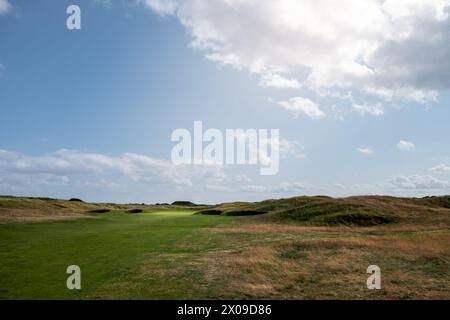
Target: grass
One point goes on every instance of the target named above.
(360, 211)
(34, 256)
(171, 253)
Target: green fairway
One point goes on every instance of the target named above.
(109, 250)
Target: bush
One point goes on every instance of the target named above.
(183, 203)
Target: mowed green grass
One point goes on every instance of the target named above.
(109, 250)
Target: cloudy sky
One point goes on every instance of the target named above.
(358, 89)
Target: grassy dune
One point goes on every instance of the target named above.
(295, 250)
(352, 211)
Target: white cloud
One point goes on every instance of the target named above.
(138, 168)
(419, 182)
(404, 145)
(373, 110)
(366, 151)
(103, 184)
(254, 189)
(218, 188)
(287, 148)
(16, 180)
(441, 168)
(283, 188)
(299, 105)
(289, 187)
(5, 6)
(278, 81)
(162, 7)
(391, 48)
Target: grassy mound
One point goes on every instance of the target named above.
(362, 211)
(443, 201)
(184, 204)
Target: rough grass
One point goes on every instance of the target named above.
(23, 209)
(170, 254)
(352, 211)
(414, 266)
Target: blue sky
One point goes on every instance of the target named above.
(89, 113)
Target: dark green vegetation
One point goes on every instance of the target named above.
(301, 248)
(184, 203)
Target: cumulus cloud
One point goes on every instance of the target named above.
(289, 187)
(440, 168)
(283, 188)
(15, 181)
(138, 168)
(299, 105)
(404, 145)
(394, 49)
(162, 7)
(367, 151)
(286, 148)
(419, 182)
(364, 109)
(254, 189)
(5, 6)
(218, 188)
(278, 81)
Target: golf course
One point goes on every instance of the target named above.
(299, 248)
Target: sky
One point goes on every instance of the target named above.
(358, 90)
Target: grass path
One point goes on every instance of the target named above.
(34, 256)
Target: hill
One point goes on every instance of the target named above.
(17, 209)
(356, 211)
(364, 211)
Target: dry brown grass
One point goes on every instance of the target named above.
(295, 229)
(37, 215)
(333, 268)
